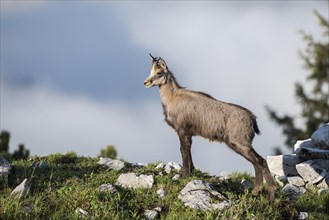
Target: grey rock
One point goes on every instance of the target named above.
(81, 213)
(5, 168)
(107, 187)
(176, 177)
(160, 166)
(151, 214)
(302, 216)
(283, 165)
(311, 172)
(131, 180)
(161, 192)
(307, 143)
(21, 190)
(296, 180)
(321, 137)
(171, 166)
(307, 149)
(42, 165)
(139, 164)
(198, 194)
(246, 184)
(324, 184)
(111, 164)
(293, 192)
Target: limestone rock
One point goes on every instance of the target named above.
(172, 166)
(321, 137)
(42, 165)
(198, 194)
(21, 190)
(160, 166)
(302, 216)
(296, 180)
(293, 192)
(5, 168)
(161, 192)
(131, 180)
(152, 214)
(111, 164)
(107, 187)
(283, 165)
(81, 213)
(176, 177)
(311, 172)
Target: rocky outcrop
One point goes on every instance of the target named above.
(308, 166)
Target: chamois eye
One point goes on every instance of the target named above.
(159, 73)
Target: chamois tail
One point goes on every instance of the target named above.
(255, 126)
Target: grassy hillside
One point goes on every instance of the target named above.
(70, 182)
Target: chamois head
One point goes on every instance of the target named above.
(159, 73)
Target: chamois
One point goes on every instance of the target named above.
(192, 113)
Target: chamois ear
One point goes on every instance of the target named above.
(163, 64)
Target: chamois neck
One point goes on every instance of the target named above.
(168, 89)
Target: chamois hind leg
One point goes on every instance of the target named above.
(260, 165)
(185, 148)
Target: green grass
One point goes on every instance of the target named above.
(70, 182)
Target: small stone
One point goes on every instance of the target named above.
(42, 165)
(107, 187)
(161, 192)
(296, 180)
(81, 213)
(5, 168)
(111, 164)
(246, 184)
(172, 166)
(302, 216)
(140, 164)
(160, 166)
(293, 192)
(21, 190)
(151, 214)
(176, 177)
(131, 180)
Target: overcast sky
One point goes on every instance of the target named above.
(72, 72)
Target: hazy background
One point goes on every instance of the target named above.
(72, 72)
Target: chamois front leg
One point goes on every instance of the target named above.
(185, 149)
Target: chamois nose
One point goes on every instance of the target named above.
(145, 82)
